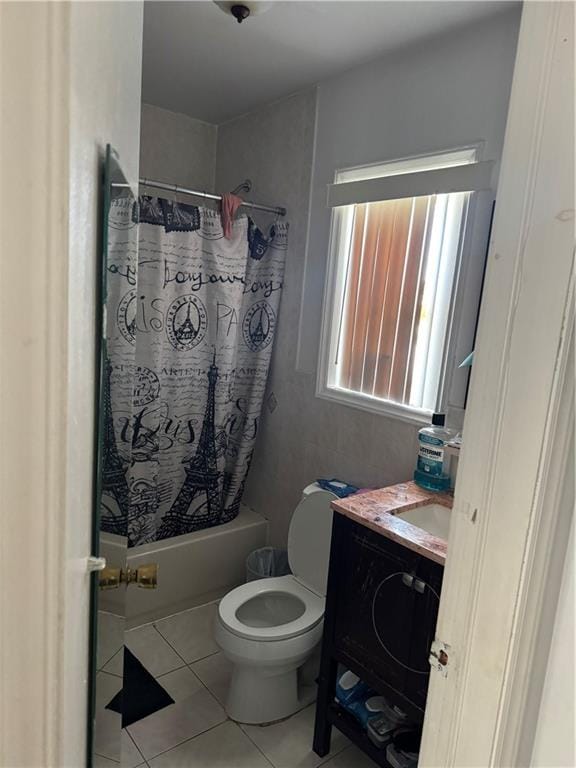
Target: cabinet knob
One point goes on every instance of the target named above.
(419, 586)
(408, 579)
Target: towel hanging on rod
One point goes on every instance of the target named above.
(278, 210)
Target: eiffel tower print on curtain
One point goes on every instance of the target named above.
(258, 334)
(191, 321)
(202, 481)
(186, 332)
(114, 483)
(232, 510)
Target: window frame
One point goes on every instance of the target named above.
(463, 310)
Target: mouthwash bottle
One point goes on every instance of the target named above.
(432, 469)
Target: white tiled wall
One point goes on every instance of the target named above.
(177, 149)
(304, 437)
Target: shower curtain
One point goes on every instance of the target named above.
(191, 322)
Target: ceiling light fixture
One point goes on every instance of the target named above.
(241, 11)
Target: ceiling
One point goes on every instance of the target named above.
(200, 61)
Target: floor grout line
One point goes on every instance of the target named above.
(170, 671)
(153, 622)
(136, 745)
(120, 619)
(206, 687)
(97, 754)
(203, 684)
(179, 654)
(191, 738)
(171, 646)
(208, 655)
(264, 755)
(101, 669)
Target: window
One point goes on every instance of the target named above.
(393, 273)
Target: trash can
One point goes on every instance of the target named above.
(266, 562)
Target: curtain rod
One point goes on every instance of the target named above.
(278, 210)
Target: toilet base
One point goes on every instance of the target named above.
(271, 679)
(260, 696)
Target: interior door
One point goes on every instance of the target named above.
(119, 245)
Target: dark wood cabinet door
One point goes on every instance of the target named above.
(376, 609)
(427, 589)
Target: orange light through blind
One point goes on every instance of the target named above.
(383, 296)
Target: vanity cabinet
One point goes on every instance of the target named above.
(381, 610)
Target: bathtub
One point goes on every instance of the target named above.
(193, 569)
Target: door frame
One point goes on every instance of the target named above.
(36, 576)
(67, 87)
(519, 412)
(489, 565)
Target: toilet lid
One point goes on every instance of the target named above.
(309, 540)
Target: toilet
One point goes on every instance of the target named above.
(269, 629)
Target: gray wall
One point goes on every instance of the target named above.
(177, 149)
(303, 437)
(446, 94)
(274, 147)
(450, 92)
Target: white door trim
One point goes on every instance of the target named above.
(35, 407)
(517, 380)
(545, 558)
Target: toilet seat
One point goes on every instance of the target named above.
(312, 608)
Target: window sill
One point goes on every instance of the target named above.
(375, 405)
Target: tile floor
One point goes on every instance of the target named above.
(194, 732)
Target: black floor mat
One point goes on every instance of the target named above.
(141, 695)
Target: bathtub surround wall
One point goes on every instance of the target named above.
(277, 149)
(453, 91)
(177, 149)
(301, 437)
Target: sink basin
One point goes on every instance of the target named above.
(433, 518)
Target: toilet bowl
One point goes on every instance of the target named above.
(269, 628)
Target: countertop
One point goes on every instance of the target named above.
(377, 510)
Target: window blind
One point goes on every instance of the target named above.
(383, 292)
